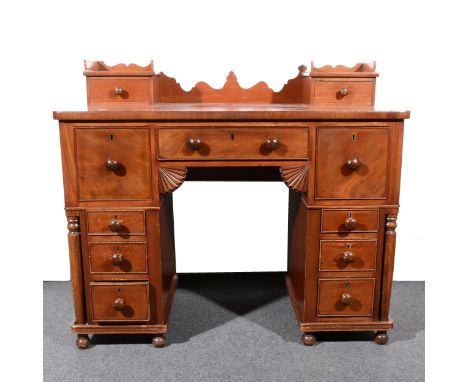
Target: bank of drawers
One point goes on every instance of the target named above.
(117, 261)
(347, 263)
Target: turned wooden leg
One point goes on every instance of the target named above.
(308, 339)
(159, 341)
(381, 338)
(82, 341)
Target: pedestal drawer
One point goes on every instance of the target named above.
(113, 163)
(352, 163)
(120, 301)
(118, 257)
(345, 297)
(350, 221)
(116, 223)
(347, 255)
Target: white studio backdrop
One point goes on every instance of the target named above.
(218, 226)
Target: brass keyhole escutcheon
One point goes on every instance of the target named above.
(232, 136)
(111, 137)
(353, 137)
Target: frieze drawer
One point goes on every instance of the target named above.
(233, 143)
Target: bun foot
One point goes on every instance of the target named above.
(159, 341)
(308, 339)
(82, 341)
(381, 338)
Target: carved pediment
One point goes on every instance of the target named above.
(169, 90)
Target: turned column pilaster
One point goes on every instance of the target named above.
(76, 271)
(388, 264)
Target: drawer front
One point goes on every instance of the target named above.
(118, 257)
(352, 163)
(233, 143)
(114, 89)
(121, 223)
(346, 297)
(347, 255)
(120, 301)
(113, 163)
(350, 221)
(333, 92)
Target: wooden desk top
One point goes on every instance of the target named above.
(204, 111)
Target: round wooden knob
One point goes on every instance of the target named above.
(194, 143)
(346, 299)
(112, 164)
(119, 304)
(272, 143)
(350, 223)
(115, 225)
(344, 91)
(118, 90)
(117, 259)
(354, 164)
(348, 257)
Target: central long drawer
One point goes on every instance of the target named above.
(209, 143)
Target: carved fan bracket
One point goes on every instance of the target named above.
(295, 177)
(171, 178)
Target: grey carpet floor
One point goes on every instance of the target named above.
(235, 327)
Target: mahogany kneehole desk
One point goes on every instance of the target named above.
(143, 136)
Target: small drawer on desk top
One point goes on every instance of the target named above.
(340, 92)
(118, 257)
(119, 301)
(121, 90)
(209, 143)
(347, 255)
(113, 163)
(345, 297)
(350, 221)
(121, 223)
